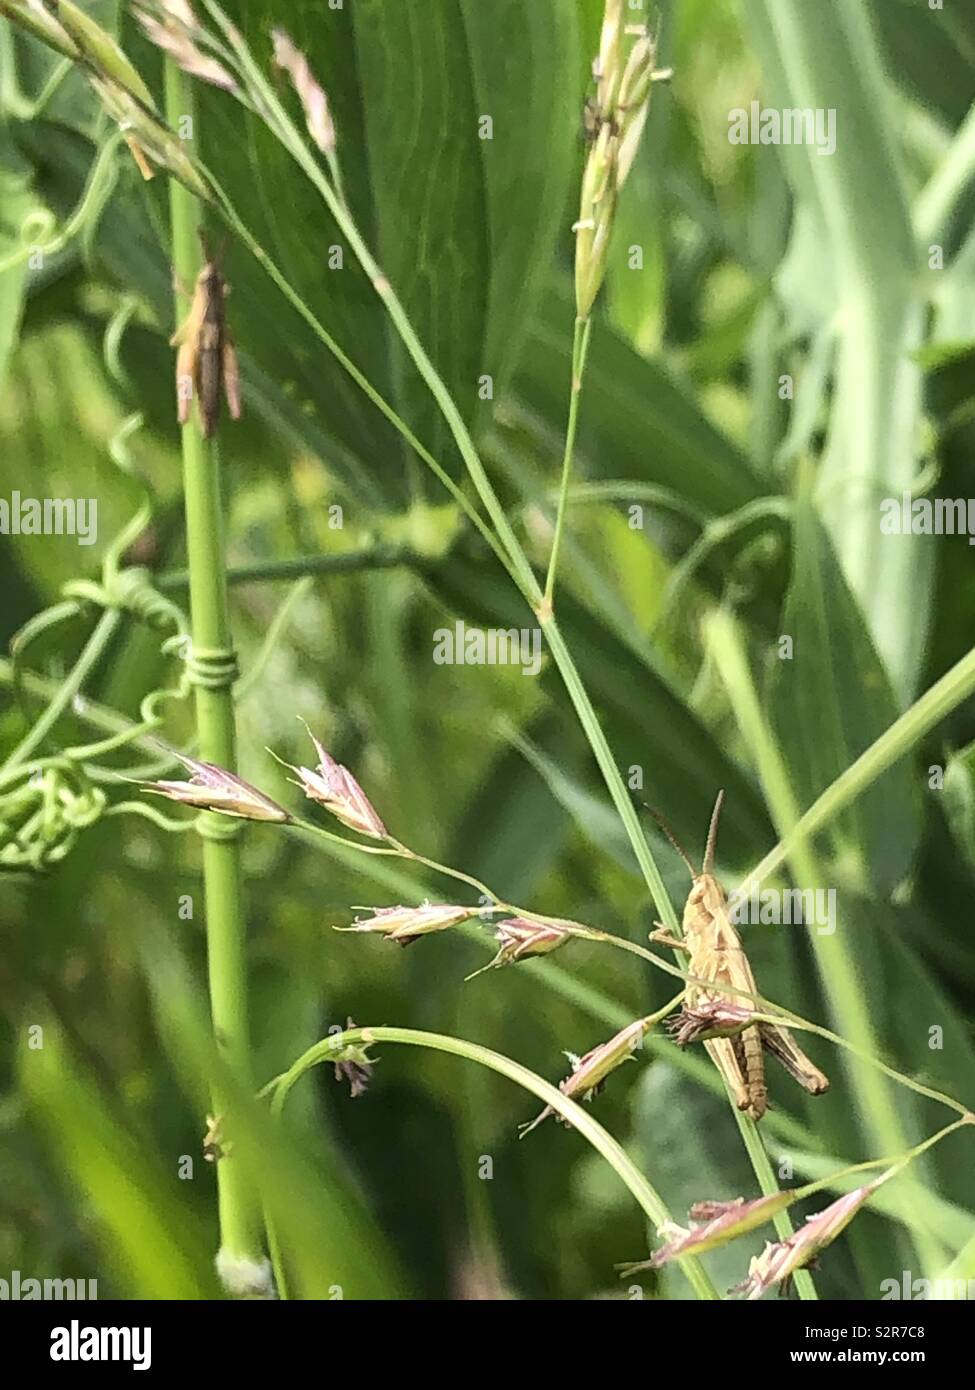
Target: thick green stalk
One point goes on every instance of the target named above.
(212, 665)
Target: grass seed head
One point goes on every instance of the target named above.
(779, 1261)
(212, 788)
(334, 787)
(615, 120)
(713, 1018)
(172, 26)
(712, 1224)
(318, 116)
(407, 924)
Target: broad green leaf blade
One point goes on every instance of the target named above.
(510, 834)
(930, 49)
(830, 699)
(825, 58)
(328, 1236)
(647, 723)
(149, 1233)
(636, 420)
(410, 85)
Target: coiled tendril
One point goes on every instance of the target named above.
(43, 809)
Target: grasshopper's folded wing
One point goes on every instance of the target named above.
(781, 1044)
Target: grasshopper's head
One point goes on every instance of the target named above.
(210, 282)
(699, 889)
(699, 880)
(210, 278)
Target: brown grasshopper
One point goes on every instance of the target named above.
(715, 954)
(207, 357)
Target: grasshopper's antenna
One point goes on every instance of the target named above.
(712, 834)
(216, 260)
(673, 839)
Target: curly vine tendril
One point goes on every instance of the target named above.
(42, 814)
(39, 232)
(45, 802)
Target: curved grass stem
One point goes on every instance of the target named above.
(579, 1118)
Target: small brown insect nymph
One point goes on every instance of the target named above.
(207, 363)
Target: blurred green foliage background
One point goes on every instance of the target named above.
(758, 263)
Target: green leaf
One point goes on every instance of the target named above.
(598, 821)
(826, 58)
(648, 724)
(831, 700)
(409, 84)
(150, 1236)
(689, 1140)
(510, 834)
(636, 420)
(17, 202)
(930, 50)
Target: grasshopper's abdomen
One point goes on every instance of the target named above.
(209, 373)
(753, 1067)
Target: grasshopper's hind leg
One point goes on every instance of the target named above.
(725, 1058)
(231, 377)
(781, 1044)
(185, 381)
